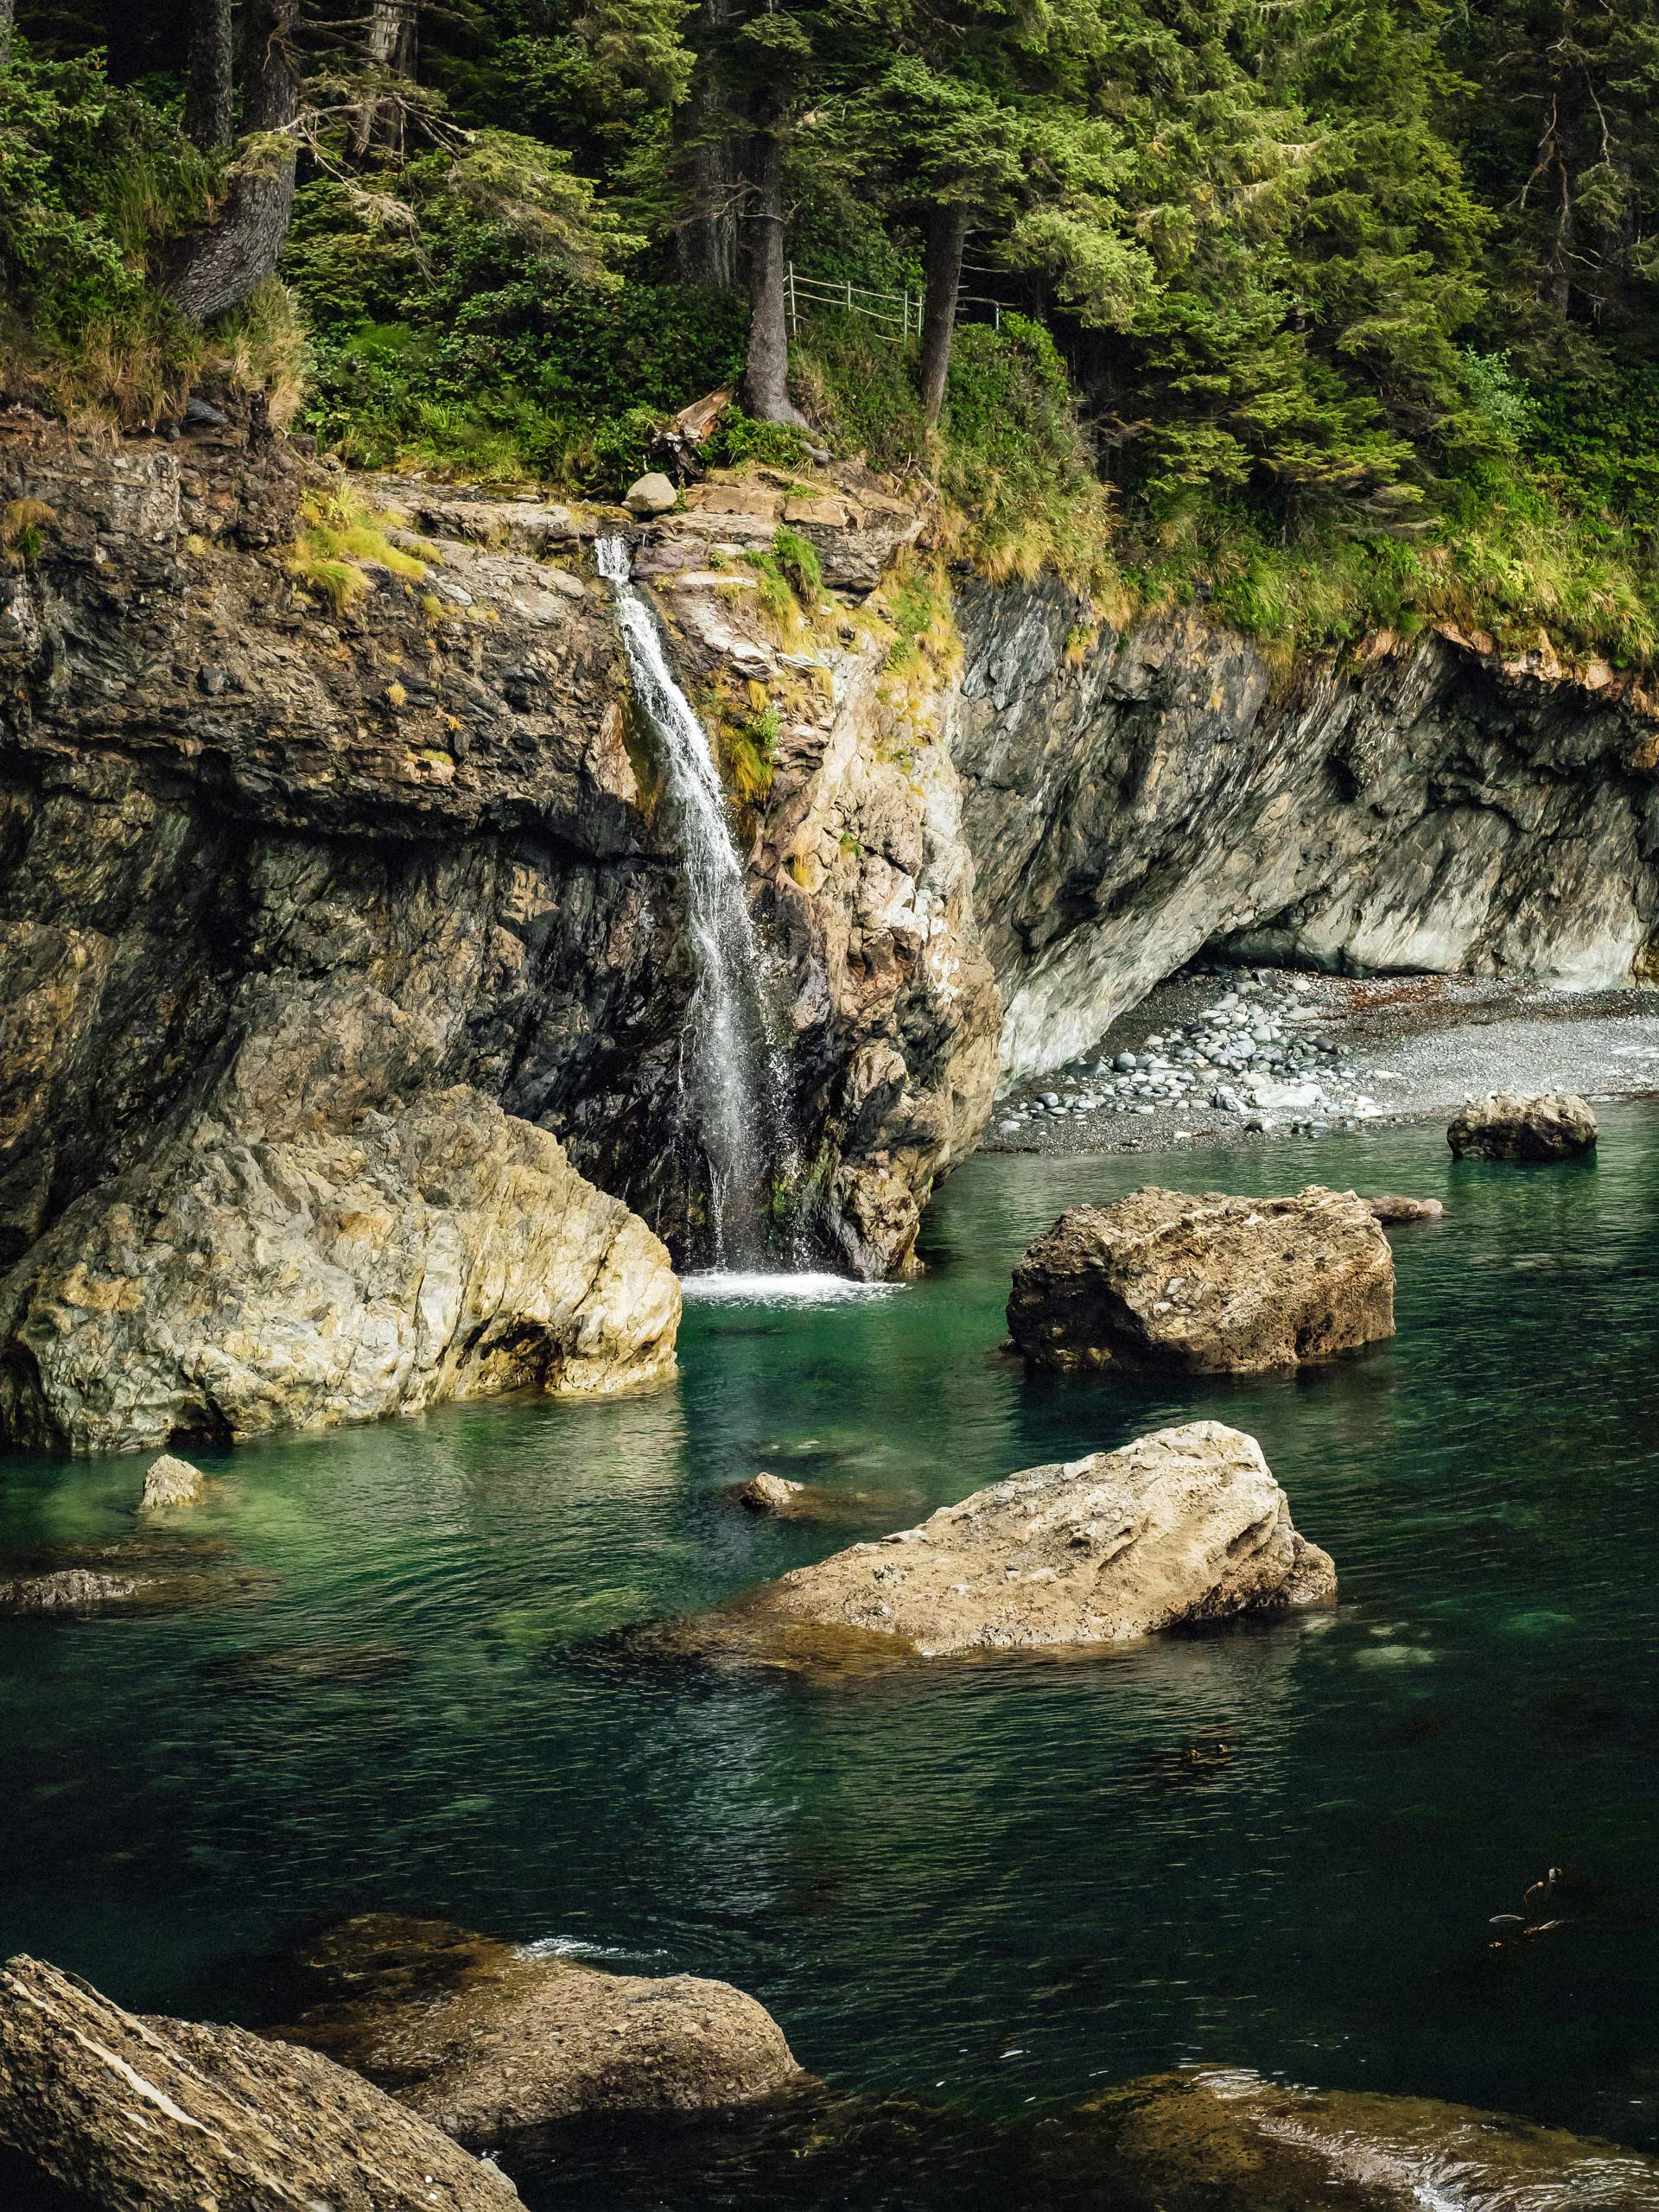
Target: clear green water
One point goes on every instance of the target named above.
(992, 1887)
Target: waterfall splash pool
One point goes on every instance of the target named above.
(980, 1893)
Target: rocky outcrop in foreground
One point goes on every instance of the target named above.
(486, 2040)
(1208, 1285)
(135, 2114)
(228, 1287)
(1202, 2138)
(1556, 1125)
(1182, 1527)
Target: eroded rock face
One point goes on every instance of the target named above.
(228, 1287)
(1208, 1285)
(1437, 807)
(486, 2040)
(1556, 1125)
(135, 2114)
(1183, 1525)
(1201, 2138)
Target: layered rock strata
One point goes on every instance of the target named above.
(1205, 1285)
(135, 2114)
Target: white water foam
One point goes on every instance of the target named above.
(729, 1077)
(740, 1287)
(572, 1947)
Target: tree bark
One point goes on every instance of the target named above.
(217, 269)
(210, 77)
(765, 370)
(8, 15)
(390, 50)
(706, 243)
(947, 237)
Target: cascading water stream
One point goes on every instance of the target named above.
(731, 1084)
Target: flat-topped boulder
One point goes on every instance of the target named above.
(136, 2114)
(1208, 1284)
(1182, 1527)
(486, 2039)
(1505, 1125)
(1201, 2138)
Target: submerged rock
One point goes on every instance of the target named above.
(137, 2114)
(1387, 1206)
(1504, 1125)
(1212, 1285)
(485, 2039)
(1201, 2138)
(74, 1590)
(171, 1482)
(228, 1287)
(1183, 1525)
(765, 1493)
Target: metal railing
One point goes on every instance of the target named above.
(808, 292)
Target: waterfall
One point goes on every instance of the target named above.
(731, 1084)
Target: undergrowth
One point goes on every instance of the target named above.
(340, 540)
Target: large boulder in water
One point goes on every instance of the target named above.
(135, 2114)
(1183, 1525)
(1504, 1125)
(229, 1287)
(1201, 2139)
(486, 2039)
(1209, 1285)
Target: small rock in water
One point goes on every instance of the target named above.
(1388, 1205)
(766, 1493)
(171, 1482)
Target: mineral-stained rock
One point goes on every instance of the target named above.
(228, 1287)
(1389, 1206)
(1201, 2138)
(134, 2115)
(1183, 1525)
(485, 2039)
(1505, 1125)
(170, 1481)
(765, 1493)
(1210, 1285)
(73, 1590)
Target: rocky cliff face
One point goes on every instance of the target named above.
(276, 875)
(1436, 807)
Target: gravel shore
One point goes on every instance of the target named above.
(1214, 1053)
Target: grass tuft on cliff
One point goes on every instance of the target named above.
(342, 541)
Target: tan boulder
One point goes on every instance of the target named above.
(826, 514)
(1182, 1526)
(1505, 1125)
(485, 2039)
(229, 1287)
(1209, 1285)
(765, 1493)
(650, 494)
(170, 1481)
(1389, 1206)
(136, 2114)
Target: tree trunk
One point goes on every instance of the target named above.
(8, 13)
(390, 50)
(216, 271)
(765, 370)
(947, 236)
(705, 165)
(210, 78)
